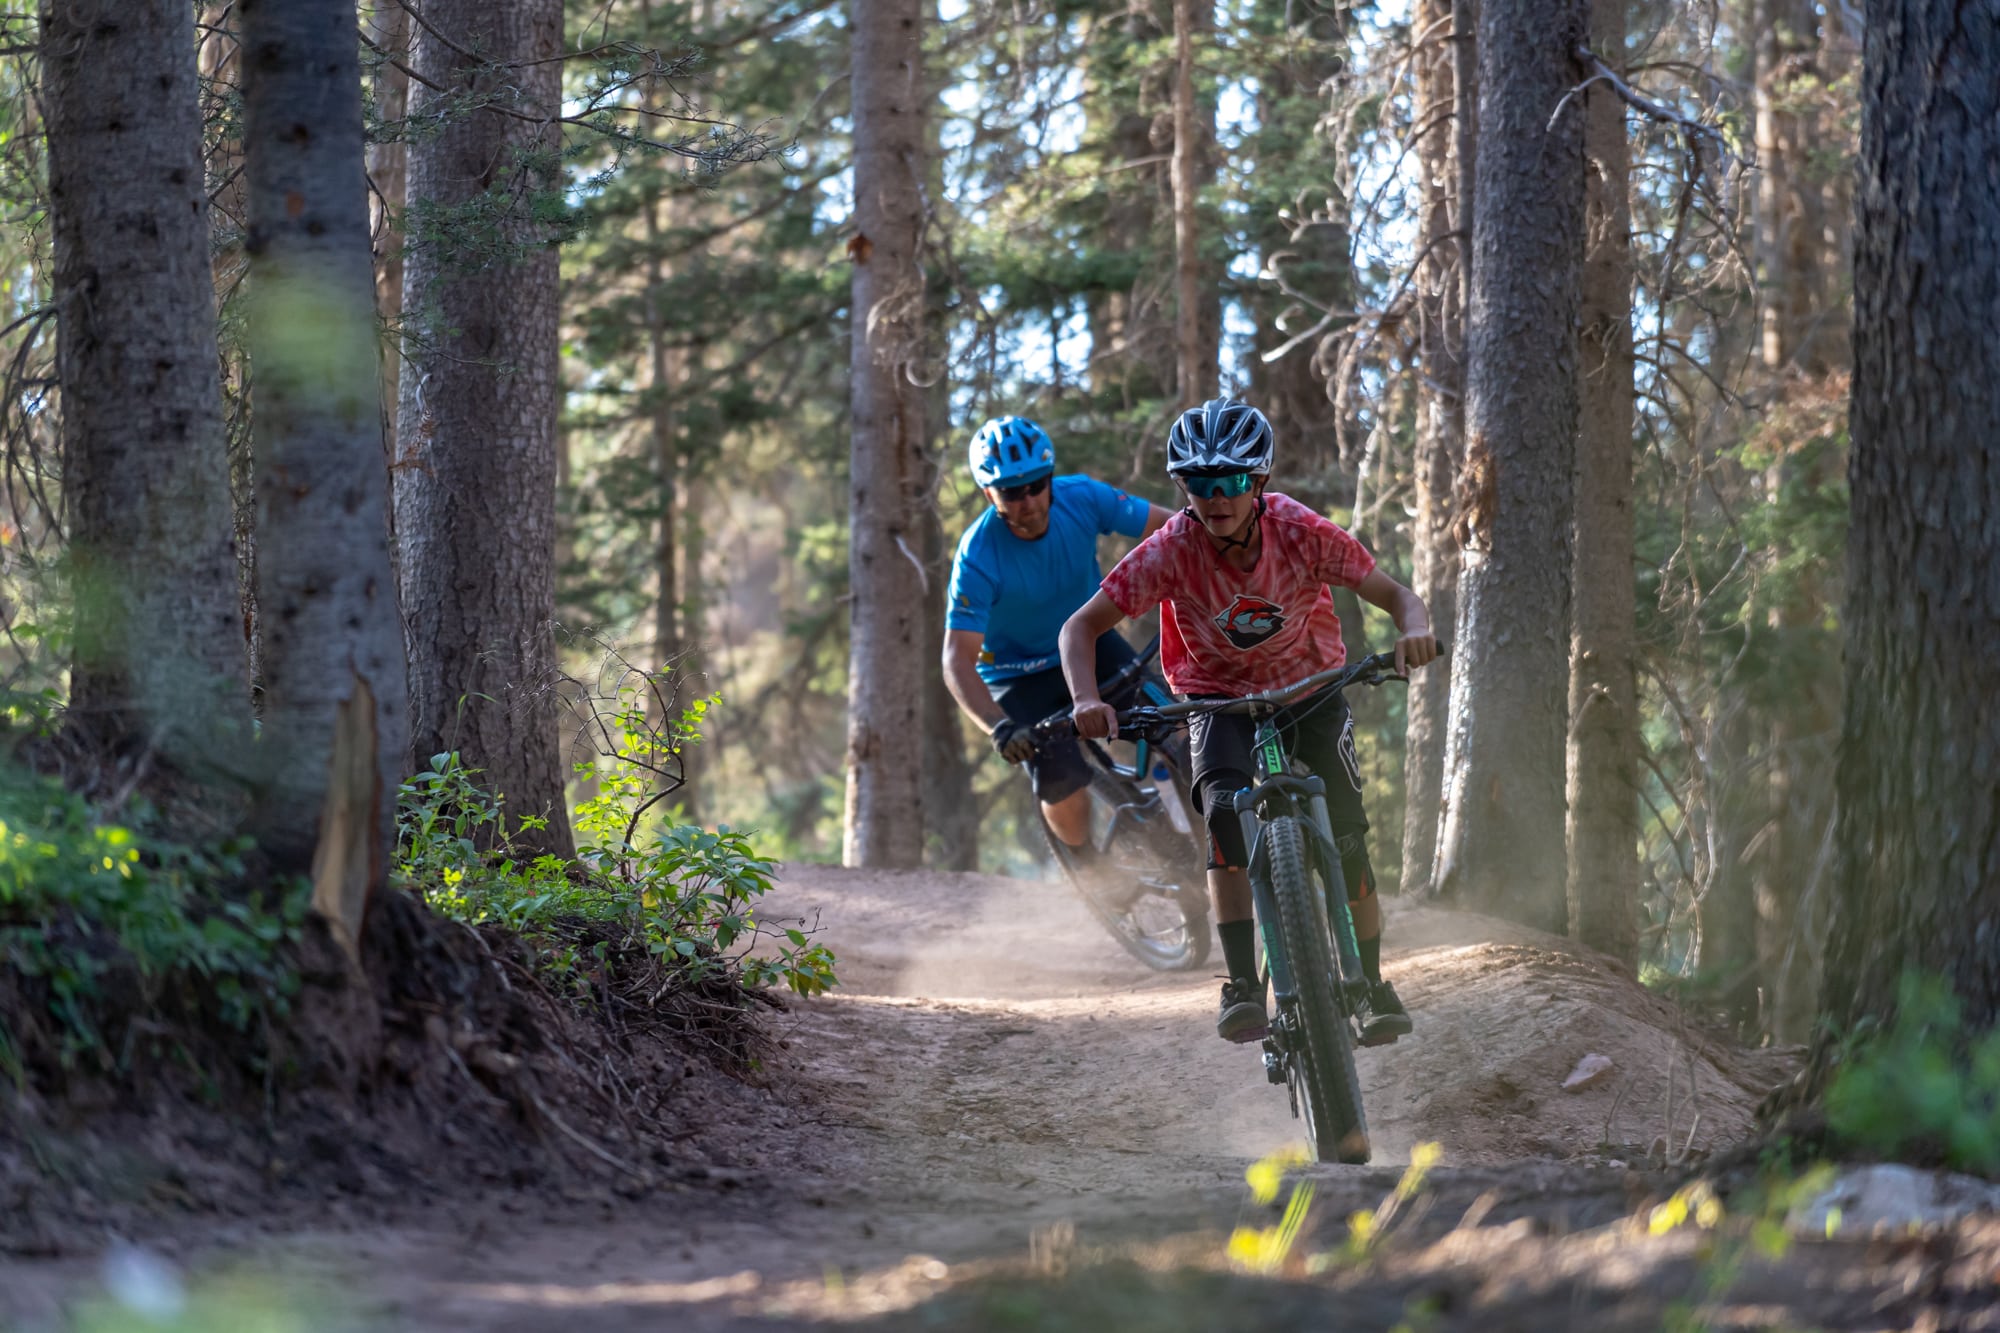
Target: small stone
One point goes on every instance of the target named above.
(1589, 1071)
(1890, 1199)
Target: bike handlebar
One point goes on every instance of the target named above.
(1370, 670)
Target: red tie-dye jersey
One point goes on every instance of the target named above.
(1227, 631)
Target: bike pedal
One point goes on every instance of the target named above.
(1389, 1040)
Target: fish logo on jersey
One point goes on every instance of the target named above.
(1248, 620)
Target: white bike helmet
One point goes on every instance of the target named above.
(1222, 435)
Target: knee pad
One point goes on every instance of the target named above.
(1225, 829)
(1355, 867)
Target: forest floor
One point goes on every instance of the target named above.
(1000, 1122)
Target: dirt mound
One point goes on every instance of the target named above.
(456, 1075)
(1505, 1015)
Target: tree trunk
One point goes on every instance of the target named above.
(158, 651)
(389, 172)
(334, 682)
(1794, 340)
(1603, 691)
(884, 818)
(951, 806)
(694, 758)
(663, 377)
(476, 484)
(1195, 346)
(1132, 355)
(1503, 837)
(1440, 442)
(1787, 202)
(1302, 234)
(1919, 830)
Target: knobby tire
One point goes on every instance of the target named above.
(1324, 1058)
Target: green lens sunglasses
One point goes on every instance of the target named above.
(1231, 484)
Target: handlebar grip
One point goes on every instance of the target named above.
(1059, 728)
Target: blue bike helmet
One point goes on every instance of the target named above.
(1011, 451)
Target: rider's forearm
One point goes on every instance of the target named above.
(961, 677)
(1078, 645)
(1410, 614)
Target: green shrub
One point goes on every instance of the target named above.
(87, 904)
(683, 895)
(1923, 1086)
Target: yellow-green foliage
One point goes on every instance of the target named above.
(683, 893)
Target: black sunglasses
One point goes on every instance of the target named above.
(1022, 492)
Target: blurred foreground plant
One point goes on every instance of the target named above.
(1924, 1086)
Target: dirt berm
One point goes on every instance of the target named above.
(1000, 1121)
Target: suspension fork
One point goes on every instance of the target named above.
(1339, 915)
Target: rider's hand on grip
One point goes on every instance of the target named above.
(1096, 720)
(1012, 741)
(1415, 650)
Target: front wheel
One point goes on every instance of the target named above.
(1316, 1034)
(1150, 890)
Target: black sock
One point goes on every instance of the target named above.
(1371, 958)
(1239, 948)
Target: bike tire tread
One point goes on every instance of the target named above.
(1327, 1076)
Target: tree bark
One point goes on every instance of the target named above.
(1795, 338)
(389, 175)
(951, 806)
(1302, 233)
(663, 377)
(1919, 828)
(1787, 202)
(335, 726)
(476, 483)
(1603, 691)
(1195, 346)
(158, 650)
(1440, 442)
(884, 818)
(1503, 836)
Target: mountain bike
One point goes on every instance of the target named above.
(1148, 885)
(1311, 964)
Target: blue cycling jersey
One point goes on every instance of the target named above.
(1018, 593)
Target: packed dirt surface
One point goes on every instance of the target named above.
(1001, 1121)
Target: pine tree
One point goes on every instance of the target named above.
(1919, 830)
(476, 427)
(158, 636)
(333, 680)
(1502, 841)
(890, 477)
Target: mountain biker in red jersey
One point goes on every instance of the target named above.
(1019, 571)
(1246, 575)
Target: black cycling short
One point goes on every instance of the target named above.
(1318, 731)
(1058, 768)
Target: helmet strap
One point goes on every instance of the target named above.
(1231, 543)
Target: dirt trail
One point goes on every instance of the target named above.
(995, 1076)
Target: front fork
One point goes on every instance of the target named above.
(1338, 913)
(1347, 952)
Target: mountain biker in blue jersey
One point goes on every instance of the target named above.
(1021, 568)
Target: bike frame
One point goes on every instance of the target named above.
(1278, 794)
(1279, 791)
